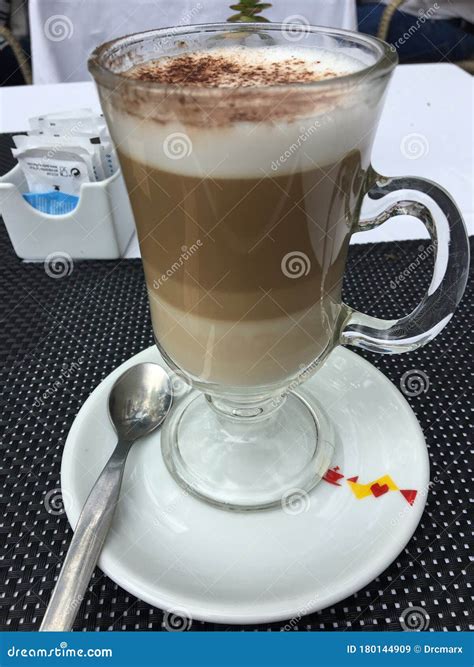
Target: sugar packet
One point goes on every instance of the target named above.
(61, 152)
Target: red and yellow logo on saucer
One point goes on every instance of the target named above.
(376, 488)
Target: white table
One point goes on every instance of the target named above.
(428, 106)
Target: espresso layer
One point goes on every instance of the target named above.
(217, 246)
(244, 275)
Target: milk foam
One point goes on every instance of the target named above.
(334, 126)
(240, 66)
(319, 61)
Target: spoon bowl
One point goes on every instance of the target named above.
(139, 401)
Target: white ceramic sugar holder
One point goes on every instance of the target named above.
(100, 227)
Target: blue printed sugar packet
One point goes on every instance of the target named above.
(54, 203)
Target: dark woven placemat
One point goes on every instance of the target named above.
(60, 337)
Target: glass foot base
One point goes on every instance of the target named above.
(253, 460)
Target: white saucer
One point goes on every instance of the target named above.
(201, 562)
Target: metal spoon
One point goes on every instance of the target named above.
(138, 403)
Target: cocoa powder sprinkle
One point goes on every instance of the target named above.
(204, 69)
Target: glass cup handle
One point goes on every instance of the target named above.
(450, 244)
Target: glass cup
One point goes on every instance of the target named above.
(245, 200)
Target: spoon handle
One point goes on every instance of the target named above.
(87, 542)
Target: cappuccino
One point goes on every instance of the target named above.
(244, 201)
